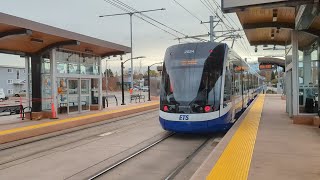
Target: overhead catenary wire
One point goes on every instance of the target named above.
(146, 16)
(210, 5)
(121, 8)
(242, 42)
(192, 14)
(219, 7)
(129, 8)
(212, 11)
(228, 25)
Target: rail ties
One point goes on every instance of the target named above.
(130, 156)
(176, 171)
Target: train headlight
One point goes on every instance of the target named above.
(207, 108)
(165, 108)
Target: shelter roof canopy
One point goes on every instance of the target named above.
(18, 36)
(273, 25)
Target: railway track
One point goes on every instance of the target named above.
(129, 157)
(169, 175)
(87, 136)
(176, 170)
(67, 131)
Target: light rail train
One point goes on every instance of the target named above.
(205, 87)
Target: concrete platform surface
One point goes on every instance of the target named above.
(282, 150)
(17, 129)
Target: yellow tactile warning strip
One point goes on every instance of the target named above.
(14, 130)
(234, 162)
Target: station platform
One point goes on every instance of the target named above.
(264, 144)
(12, 128)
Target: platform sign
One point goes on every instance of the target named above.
(265, 66)
(234, 5)
(240, 68)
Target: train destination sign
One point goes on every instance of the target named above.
(265, 66)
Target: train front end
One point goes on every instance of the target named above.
(191, 84)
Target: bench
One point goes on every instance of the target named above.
(137, 96)
(14, 109)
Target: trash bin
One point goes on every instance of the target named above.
(103, 101)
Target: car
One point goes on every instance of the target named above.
(21, 93)
(2, 96)
(145, 88)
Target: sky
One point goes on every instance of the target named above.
(81, 16)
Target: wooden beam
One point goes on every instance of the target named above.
(58, 44)
(258, 25)
(15, 32)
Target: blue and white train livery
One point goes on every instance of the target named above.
(204, 87)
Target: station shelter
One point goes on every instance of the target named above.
(294, 25)
(64, 68)
(268, 65)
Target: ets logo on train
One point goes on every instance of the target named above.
(184, 117)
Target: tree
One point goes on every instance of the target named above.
(153, 73)
(109, 73)
(137, 76)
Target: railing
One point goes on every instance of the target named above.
(111, 96)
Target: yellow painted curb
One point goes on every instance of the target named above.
(57, 122)
(234, 162)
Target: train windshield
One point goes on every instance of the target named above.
(192, 76)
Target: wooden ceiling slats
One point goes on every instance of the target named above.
(263, 17)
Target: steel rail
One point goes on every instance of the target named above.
(176, 171)
(130, 157)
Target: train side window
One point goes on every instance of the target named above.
(227, 86)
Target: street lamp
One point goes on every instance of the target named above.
(122, 87)
(149, 97)
(130, 14)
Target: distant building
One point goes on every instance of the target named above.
(12, 79)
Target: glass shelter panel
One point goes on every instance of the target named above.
(62, 95)
(46, 88)
(73, 97)
(85, 101)
(76, 63)
(85, 94)
(308, 79)
(78, 76)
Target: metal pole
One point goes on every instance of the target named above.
(233, 42)
(149, 84)
(318, 77)
(122, 87)
(27, 70)
(106, 77)
(131, 50)
(211, 29)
